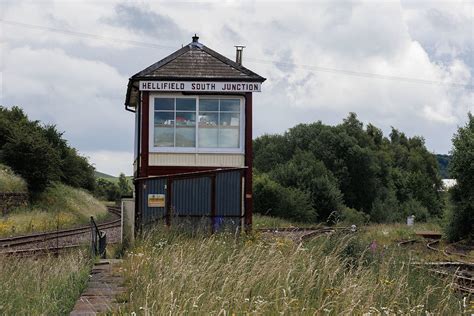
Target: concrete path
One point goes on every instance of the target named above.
(105, 283)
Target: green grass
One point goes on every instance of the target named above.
(174, 273)
(59, 205)
(44, 286)
(10, 182)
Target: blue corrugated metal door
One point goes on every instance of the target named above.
(152, 186)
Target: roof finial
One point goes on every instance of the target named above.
(195, 38)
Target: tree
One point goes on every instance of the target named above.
(124, 185)
(31, 156)
(271, 198)
(461, 218)
(40, 153)
(307, 174)
(107, 190)
(349, 165)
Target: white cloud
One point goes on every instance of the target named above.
(83, 97)
(79, 83)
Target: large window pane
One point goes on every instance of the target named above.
(185, 136)
(164, 119)
(185, 119)
(208, 129)
(230, 105)
(186, 104)
(229, 130)
(209, 105)
(218, 123)
(164, 129)
(164, 104)
(185, 129)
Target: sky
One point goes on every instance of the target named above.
(406, 64)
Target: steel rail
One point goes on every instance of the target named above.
(40, 251)
(51, 235)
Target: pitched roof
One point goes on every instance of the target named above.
(193, 62)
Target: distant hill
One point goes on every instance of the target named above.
(104, 176)
(443, 162)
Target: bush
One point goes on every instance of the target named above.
(354, 217)
(107, 190)
(305, 173)
(32, 157)
(414, 207)
(385, 208)
(461, 219)
(271, 198)
(40, 154)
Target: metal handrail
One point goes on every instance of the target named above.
(98, 240)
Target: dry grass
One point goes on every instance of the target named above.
(45, 286)
(10, 182)
(172, 273)
(262, 221)
(59, 205)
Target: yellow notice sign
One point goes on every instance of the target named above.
(156, 200)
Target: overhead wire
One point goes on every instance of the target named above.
(311, 68)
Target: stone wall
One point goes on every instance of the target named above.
(8, 201)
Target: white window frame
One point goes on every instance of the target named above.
(197, 149)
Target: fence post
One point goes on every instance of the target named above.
(168, 199)
(93, 242)
(213, 203)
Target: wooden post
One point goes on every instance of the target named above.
(248, 162)
(168, 199)
(213, 203)
(145, 130)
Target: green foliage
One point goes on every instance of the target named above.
(31, 156)
(124, 185)
(354, 217)
(271, 198)
(305, 173)
(113, 190)
(443, 163)
(461, 218)
(40, 154)
(107, 190)
(75, 169)
(351, 166)
(385, 208)
(414, 207)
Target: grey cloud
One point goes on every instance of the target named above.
(441, 20)
(145, 21)
(230, 34)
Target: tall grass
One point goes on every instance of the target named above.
(172, 273)
(44, 286)
(60, 205)
(10, 182)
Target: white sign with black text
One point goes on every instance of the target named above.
(200, 86)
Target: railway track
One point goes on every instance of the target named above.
(11, 245)
(460, 272)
